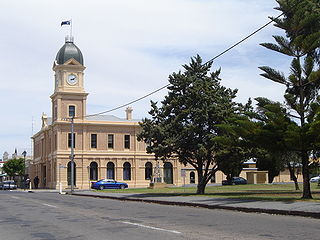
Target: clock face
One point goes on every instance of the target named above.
(72, 79)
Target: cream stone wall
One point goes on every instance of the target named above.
(52, 154)
(51, 151)
(284, 176)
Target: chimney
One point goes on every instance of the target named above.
(129, 113)
(44, 120)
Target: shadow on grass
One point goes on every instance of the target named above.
(284, 196)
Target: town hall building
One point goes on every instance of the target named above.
(105, 146)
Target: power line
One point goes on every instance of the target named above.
(124, 105)
(242, 40)
(211, 60)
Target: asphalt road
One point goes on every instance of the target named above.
(25, 216)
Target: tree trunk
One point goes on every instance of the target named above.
(293, 176)
(305, 174)
(201, 182)
(200, 188)
(229, 178)
(270, 177)
(304, 153)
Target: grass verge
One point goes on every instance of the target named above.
(270, 192)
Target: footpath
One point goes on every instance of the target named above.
(294, 208)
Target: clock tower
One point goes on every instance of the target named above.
(69, 97)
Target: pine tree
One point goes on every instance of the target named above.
(274, 139)
(301, 23)
(185, 125)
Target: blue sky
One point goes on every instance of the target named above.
(130, 47)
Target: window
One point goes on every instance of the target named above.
(148, 171)
(110, 141)
(93, 171)
(127, 141)
(55, 112)
(110, 170)
(72, 111)
(192, 177)
(168, 173)
(69, 140)
(94, 140)
(55, 147)
(126, 171)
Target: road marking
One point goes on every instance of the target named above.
(45, 204)
(154, 228)
(49, 205)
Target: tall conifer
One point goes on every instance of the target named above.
(301, 23)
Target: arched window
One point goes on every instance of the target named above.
(93, 171)
(192, 177)
(110, 170)
(148, 171)
(168, 173)
(126, 171)
(69, 173)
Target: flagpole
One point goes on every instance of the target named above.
(71, 29)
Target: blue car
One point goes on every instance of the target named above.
(108, 183)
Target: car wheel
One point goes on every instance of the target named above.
(101, 187)
(122, 186)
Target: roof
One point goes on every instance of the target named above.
(102, 118)
(110, 118)
(67, 51)
(250, 161)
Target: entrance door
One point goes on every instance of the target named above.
(44, 178)
(168, 173)
(110, 170)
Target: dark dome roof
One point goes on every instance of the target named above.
(69, 50)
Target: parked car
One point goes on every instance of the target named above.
(9, 184)
(108, 183)
(235, 181)
(315, 179)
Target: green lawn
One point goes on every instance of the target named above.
(274, 192)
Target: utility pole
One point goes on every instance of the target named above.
(72, 154)
(24, 154)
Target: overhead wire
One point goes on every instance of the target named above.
(211, 60)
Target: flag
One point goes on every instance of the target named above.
(66, 22)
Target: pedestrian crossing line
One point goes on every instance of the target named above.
(154, 228)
